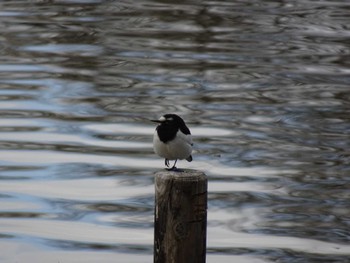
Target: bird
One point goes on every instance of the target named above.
(172, 140)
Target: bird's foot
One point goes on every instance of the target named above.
(167, 163)
(174, 169)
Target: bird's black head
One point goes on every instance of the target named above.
(169, 124)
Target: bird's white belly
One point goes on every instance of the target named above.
(179, 148)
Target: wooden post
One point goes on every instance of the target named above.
(180, 221)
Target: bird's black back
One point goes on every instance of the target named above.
(167, 130)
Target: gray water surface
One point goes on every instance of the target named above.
(263, 85)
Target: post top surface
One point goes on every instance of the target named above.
(184, 174)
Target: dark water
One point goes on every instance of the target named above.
(264, 86)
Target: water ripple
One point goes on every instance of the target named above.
(263, 87)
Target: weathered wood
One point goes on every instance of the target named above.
(180, 224)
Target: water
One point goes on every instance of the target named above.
(264, 86)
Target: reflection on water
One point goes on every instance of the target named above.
(264, 88)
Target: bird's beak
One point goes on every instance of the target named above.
(160, 120)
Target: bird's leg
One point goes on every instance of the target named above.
(174, 164)
(174, 167)
(166, 162)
